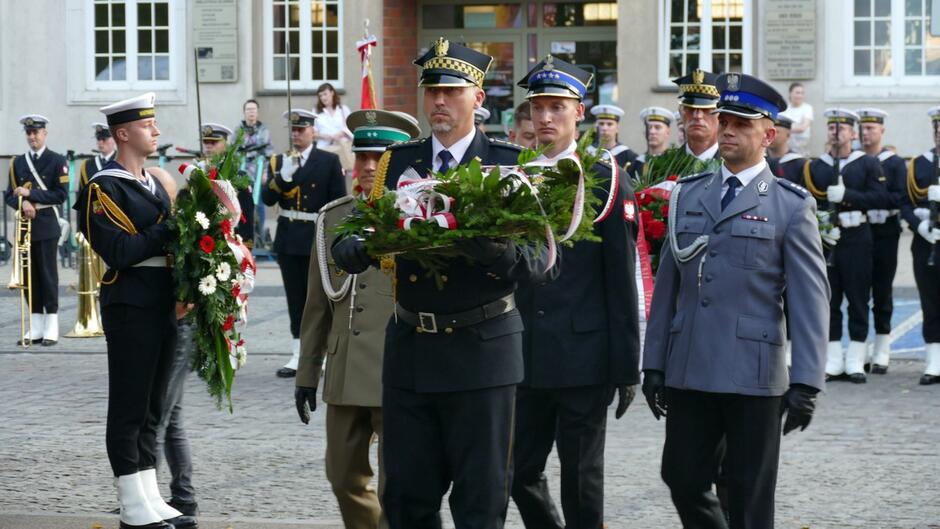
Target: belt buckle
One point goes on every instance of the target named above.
(424, 318)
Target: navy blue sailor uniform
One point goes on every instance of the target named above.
(886, 233)
(47, 178)
(88, 167)
(789, 167)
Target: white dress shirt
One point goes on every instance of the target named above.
(457, 150)
(305, 154)
(39, 152)
(567, 152)
(706, 155)
(744, 176)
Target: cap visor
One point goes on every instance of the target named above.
(435, 79)
(552, 91)
(740, 112)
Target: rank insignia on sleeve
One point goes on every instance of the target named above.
(629, 210)
(96, 207)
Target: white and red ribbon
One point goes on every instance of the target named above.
(418, 201)
(614, 189)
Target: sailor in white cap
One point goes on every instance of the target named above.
(300, 185)
(847, 183)
(41, 178)
(480, 117)
(885, 229)
(657, 128)
(106, 149)
(607, 122)
(123, 214)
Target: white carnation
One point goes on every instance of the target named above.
(223, 271)
(202, 220)
(207, 285)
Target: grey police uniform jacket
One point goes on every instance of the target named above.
(718, 326)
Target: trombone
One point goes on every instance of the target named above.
(21, 277)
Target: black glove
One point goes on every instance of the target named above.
(483, 249)
(306, 401)
(654, 389)
(625, 395)
(799, 402)
(350, 254)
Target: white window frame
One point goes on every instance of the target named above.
(83, 88)
(705, 44)
(307, 81)
(844, 85)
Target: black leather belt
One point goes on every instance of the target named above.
(430, 322)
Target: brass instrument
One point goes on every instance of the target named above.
(21, 277)
(90, 269)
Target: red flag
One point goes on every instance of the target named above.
(365, 55)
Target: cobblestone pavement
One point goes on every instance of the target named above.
(868, 459)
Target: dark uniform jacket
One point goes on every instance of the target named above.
(54, 171)
(488, 354)
(895, 173)
(921, 174)
(789, 167)
(125, 224)
(582, 328)
(90, 166)
(320, 180)
(865, 188)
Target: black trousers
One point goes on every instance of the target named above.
(433, 441)
(696, 427)
(884, 267)
(575, 421)
(294, 270)
(44, 265)
(141, 344)
(850, 277)
(928, 287)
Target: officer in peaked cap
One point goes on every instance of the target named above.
(301, 182)
(657, 129)
(581, 340)
(607, 123)
(106, 150)
(41, 177)
(847, 183)
(698, 96)
(215, 138)
(453, 355)
(885, 229)
(739, 231)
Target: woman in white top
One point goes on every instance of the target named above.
(801, 113)
(332, 133)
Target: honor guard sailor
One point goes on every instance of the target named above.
(607, 123)
(581, 344)
(123, 213)
(847, 183)
(741, 240)
(453, 355)
(41, 178)
(657, 129)
(785, 162)
(300, 182)
(106, 150)
(922, 213)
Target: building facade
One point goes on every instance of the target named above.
(65, 58)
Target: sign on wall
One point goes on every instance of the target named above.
(215, 36)
(790, 39)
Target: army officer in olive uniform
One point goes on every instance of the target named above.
(301, 183)
(344, 321)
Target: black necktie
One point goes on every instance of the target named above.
(733, 185)
(35, 157)
(446, 159)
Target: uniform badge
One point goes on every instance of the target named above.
(629, 210)
(207, 131)
(294, 117)
(96, 207)
(762, 187)
(734, 82)
(371, 117)
(698, 76)
(440, 48)
(549, 63)
(29, 122)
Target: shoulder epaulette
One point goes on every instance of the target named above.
(693, 177)
(504, 143)
(797, 189)
(411, 143)
(604, 161)
(338, 202)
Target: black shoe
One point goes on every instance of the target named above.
(858, 378)
(21, 343)
(833, 378)
(879, 370)
(156, 525)
(927, 380)
(182, 522)
(189, 508)
(286, 372)
(866, 368)
(47, 343)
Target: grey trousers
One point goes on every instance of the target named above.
(172, 441)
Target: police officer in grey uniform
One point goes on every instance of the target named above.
(741, 240)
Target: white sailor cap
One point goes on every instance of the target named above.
(140, 107)
(678, 116)
(871, 115)
(33, 121)
(840, 115)
(214, 131)
(611, 112)
(934, 113)
(102, 130)
(480, 115)
(300, 117)
(663, 115)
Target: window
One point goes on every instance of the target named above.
(313, 29)
(707, 35)
(132, 44)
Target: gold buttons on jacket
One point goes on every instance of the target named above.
(413, 278)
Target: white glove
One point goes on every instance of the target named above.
(933, 193)
(850, 219)
(288, 168)
(832, 236)
(922, 213)
(930, 235)
(835, 193)
(877, 216)
(201, 165)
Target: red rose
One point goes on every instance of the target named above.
(207, 244)
(226, 227)
(240, 343)
(665, 210)
(656, 229)
(643, 199)
(646, 216)
(213, 173)
(672, 178)
(229, 323)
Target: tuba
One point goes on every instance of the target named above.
(90, 268)
(21, 278)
